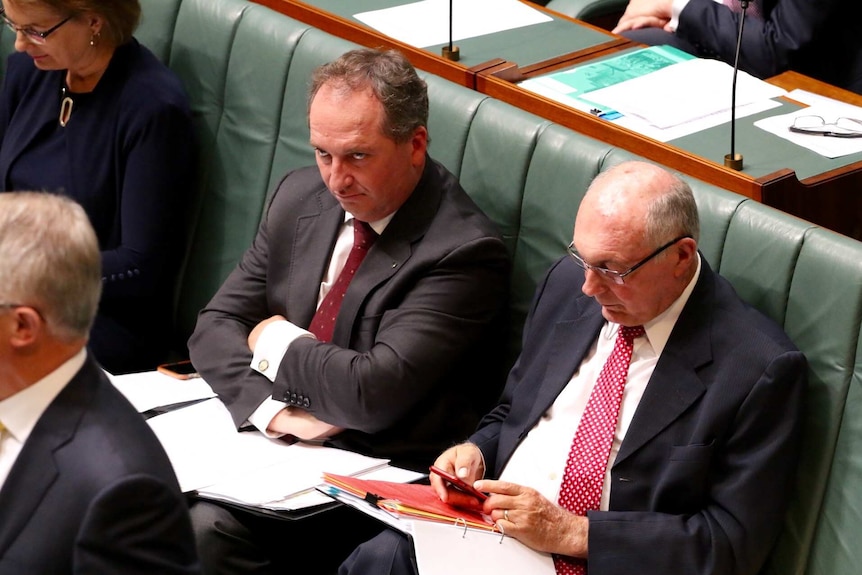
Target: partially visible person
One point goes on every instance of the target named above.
(818, 38)
(85, 486)
(89, 112)
(652, 421)
(402, 363)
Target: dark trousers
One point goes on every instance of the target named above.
(389, 553)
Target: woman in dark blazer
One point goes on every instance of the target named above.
(88, 112)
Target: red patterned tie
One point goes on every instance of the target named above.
(752, 10)
(581, 489)
(323, 322)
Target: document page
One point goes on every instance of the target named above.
(151, 389)
(684, 92)
(426, 23)
(827, 109)
(446, 549)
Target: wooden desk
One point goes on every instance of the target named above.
(335, 17)
(831, 197)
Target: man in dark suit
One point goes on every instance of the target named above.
(820, 39)
(85, 486)
(409, 365)
(701, 458)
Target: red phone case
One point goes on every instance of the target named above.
(459, 483)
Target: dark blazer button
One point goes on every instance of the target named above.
(306, 403)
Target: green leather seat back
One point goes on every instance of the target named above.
(156, 29)
(234, 58)
(823, 317)
(292, 148)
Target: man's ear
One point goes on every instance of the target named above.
(27, 327)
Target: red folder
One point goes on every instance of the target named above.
(410, 500)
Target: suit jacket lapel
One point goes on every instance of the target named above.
(36, 470)
(572, 340)
(391, 250)
(315, 237)
(675, 385)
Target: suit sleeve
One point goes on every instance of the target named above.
(443, 314)
(768, 46)
(742, 481)
(136, 526)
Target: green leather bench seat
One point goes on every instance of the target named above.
(247, 68)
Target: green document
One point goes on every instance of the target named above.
(620, 68)
(571, 87)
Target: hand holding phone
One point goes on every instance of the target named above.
(459, 483)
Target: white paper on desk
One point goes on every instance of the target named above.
(150, 389)
(828, 147)
(426, 23)
(199, 441)
(561, 93)
(684, 92)
(294, 470)
(443, 549)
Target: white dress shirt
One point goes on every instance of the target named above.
(275, 339)
(540, 459)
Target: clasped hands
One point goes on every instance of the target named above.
(645, 14)
(522, 512)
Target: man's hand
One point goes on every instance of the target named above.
(464, 461)
(533, 520)
(258, 329)
(301, 424)
(644, 14)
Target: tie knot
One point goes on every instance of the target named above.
(630, 332)
(363, 234)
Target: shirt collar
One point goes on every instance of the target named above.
(378, 226)
(21, 411)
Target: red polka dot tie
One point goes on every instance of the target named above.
(735, 5)
(581, 489)
(323, 322)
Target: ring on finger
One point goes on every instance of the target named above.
(506, 514)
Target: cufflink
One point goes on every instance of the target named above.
(263, 365)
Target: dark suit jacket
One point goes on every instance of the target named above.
(703, 475)
(410, 367)
(820, 38)
(92, 491)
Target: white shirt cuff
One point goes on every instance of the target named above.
(271, 346)
(675, 10)
(264, 414)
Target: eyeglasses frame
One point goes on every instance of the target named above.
(33, 35)
(796, 129)
(615, 276)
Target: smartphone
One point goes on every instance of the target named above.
(179, 369)
(459, 483)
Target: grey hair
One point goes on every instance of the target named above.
(50, 259)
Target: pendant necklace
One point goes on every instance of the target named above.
(66, 104)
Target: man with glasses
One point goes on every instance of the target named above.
(652, 418)
(85, 486)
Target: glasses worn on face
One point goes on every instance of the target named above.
(615, 276)
(32, 35)
(817, 126)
